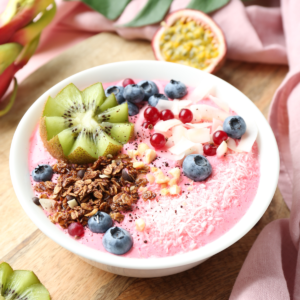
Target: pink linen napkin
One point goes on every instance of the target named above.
(254, 34)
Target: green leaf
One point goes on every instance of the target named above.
(11, 101)
(153, 12)
(111, 9)
(207, 6)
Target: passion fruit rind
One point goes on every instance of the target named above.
(191, 38)
(79, 126)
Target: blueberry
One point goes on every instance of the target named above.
(153, 100)
(133, 93)
(118, 91)
(234, 126)
(149, 87)
(132, 109)
(117, 240)
(42, 173)
(100, 222)
(175, 89)
(196, 167)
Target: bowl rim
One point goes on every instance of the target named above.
(243, 226)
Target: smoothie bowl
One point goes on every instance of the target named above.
(149, 179)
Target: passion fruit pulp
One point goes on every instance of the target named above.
(191, 38)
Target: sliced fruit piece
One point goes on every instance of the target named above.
(5, 273)
(93, 96)
(107, 145)
(36, 292)
(121, 132)
(18, 282)
(70, 124)
(118, 114)
(84, 149)
(191, 38)
(48, 204)
(110, 102)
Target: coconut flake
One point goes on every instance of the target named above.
(231, 144)
(199, 135)
(216, 123)
(48, 204)
(178, 132)
(201, 91)
(207, 113)
(223, 105)
(175, 106)
(183, 145)
(164, 126)
(170, 142)
(200, 125)
(163, 104)
(222, 149)
(249, 136)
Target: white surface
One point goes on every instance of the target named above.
(269, 164)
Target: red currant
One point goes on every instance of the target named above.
(127, 81)
(219, 137)
(166, 115)
(147, 125)
(158, 140)
(76, 230)
(209, 149)
(151, 114)
(185, 115)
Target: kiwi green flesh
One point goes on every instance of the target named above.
(18, 282)
(5, 273)
(110, 102)
(67, 140)
(54, 125)
(93, 97)
(118, 114)
(35, 292)
(121, 132)
(107, 145)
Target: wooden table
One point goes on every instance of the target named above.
(67, 276)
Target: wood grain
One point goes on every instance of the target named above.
(65, 275)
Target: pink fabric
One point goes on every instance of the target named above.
(254, 34)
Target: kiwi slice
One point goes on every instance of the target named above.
(70, 124)
(121, 132)
(20, 284)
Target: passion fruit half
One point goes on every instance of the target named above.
(191, 38)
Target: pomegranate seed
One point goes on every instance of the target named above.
(127, 81)
(166, 115)
(185, 116)
(147, 125)
(151, 114)
(219, 137)
(158, 140)
(209, 149)
(76, 230)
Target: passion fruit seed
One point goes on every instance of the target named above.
(190, 43)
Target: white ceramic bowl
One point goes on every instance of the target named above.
(268, 157)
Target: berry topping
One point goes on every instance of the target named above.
(127, 81)
(234, 126)
(81, 173)
(153, 100)
(185, 115)
(117, 90)
(148, 125)
(151, 114)
(42, 173)
(209, 149)
(149, 88)
(133, 93)
(100, 222)
(196, 167)
(76, 230)
(166, 115)
(158, 140)
(219, 137)
(132, 109)
(175, 89)
(117, 240)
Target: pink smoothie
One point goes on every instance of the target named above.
(178, 224)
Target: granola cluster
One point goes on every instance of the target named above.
(110, 185)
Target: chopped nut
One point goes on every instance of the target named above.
(175, 190)
(138, 165)
(173, 181)
(164, 185)
(104, 176)
(160, 177)
(153, 169)
(164, 192)
(150, 155)
(72, 203)
(175, 172)
(142, 149)
(150, 178)
(190, 188)
(140, 224)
